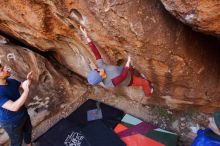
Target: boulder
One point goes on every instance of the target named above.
(51, 93)
(202, 16)
(182, 65)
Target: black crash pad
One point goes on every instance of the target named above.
(111, 115)
(65, 133)
(75, 130)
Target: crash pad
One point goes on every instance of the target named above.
(163, 137)
(76, 129)
(141, 128)
(129, 119)
(100, 135)
(136, 139)
(160, 135)
(110, 115)
(65, 133)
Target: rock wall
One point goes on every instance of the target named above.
(181, 64)
(51, 93)
(202, 15)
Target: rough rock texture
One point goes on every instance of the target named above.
(50, 94)
(42, 24)
(182, 65)
(202, 15)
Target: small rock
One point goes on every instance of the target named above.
(3, 40)
(183, 124)
(182, 119)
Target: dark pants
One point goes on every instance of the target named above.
(19, 131)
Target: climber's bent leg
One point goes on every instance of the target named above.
(137, 81)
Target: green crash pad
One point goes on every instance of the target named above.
(163, 136)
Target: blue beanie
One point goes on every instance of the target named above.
(94, 78)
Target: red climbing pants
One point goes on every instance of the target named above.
(137, 81)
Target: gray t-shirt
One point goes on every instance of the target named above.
(113, 71)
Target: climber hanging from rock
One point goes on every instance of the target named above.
(113, 76)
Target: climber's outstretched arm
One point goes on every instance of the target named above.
(91, 44)
(117, 80)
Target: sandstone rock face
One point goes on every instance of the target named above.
(182, 65)
(44, 26)
(50, 94)
(202, 15)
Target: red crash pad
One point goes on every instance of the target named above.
(137, 139)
